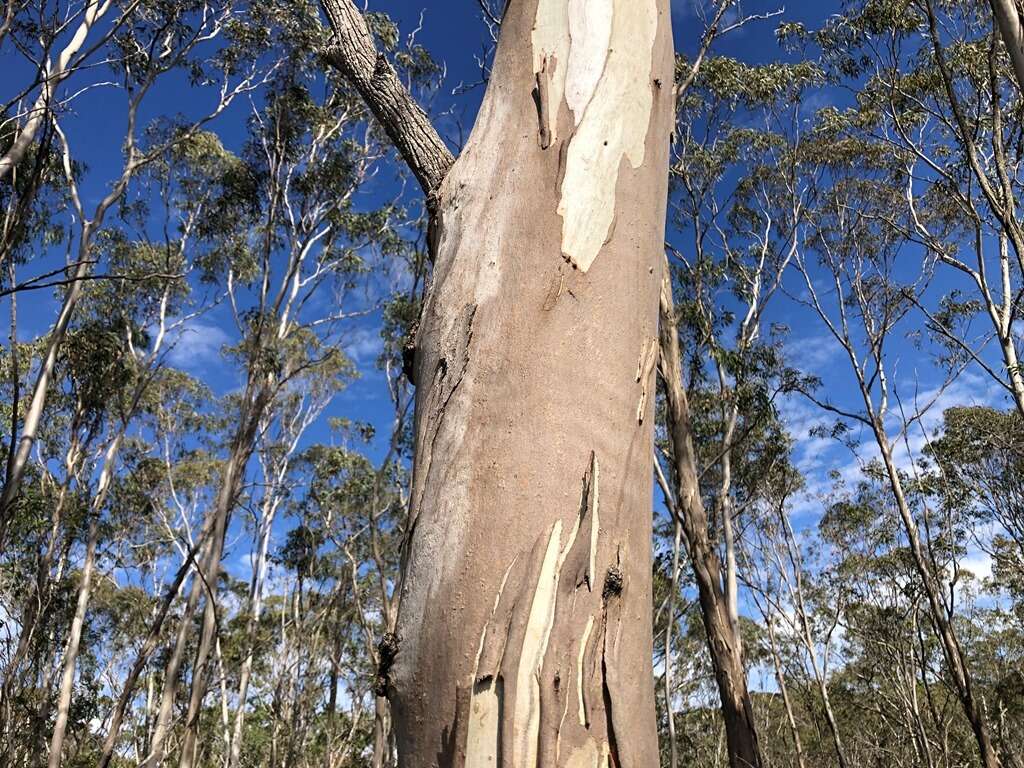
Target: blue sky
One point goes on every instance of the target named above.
(453, 32)
(455, 35)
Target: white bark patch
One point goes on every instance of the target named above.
(494, 609)
(590, 32)
(550, 41)
(613, 126)
(535, 644)
(531, 658)
(483, 738)
(590, 755)
(644, 369)
(579, 670)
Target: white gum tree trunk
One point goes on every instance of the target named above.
(524, 628)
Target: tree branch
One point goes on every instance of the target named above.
(353, 53)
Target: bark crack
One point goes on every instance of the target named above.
(542, 96)
(644, 369)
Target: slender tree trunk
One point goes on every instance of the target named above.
(723, 642)
(84, 595)
(819, 670)
(30, 427)
(1008, 17)
(168, 694)
(962, 679)
(67, 682)
(150, 644)
(381, 732)
(780, 678)
(670, 715)
(252, 623)
(197, 691)
(206, 577)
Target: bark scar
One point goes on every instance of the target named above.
(387, 649)
(644, 368)
(542, 95)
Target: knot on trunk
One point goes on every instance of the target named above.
(612, 583)
(387, 649)
(409, 354)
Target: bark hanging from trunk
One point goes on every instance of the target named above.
(723, 640)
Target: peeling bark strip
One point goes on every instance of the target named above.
(532, 475)
(607, 85)
(548, 618)
(544, 101)
(644, 370)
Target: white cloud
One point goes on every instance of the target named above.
(978, 563)
(364, 345)
(811, 354)
(197, 344)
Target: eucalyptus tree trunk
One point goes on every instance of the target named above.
(524, 625)
(1011, 27)
(67, 681)
(205, 580)
(717, 610)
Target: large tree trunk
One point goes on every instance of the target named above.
(720, 627)
(525, 616)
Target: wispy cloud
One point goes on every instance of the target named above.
(198, 344)
(364, 345)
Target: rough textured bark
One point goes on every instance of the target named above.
(353, 53)
(723, 641)
(525, 618)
